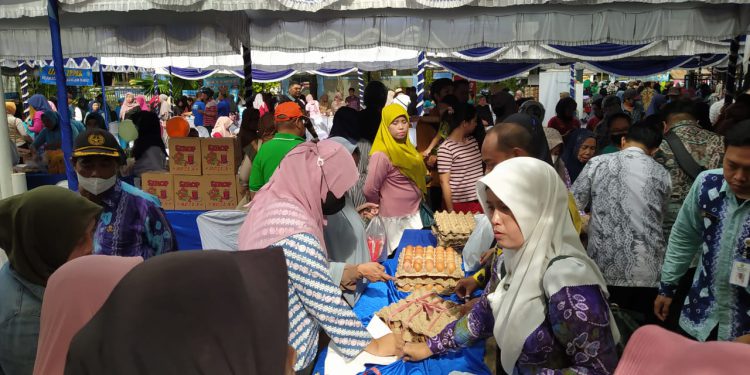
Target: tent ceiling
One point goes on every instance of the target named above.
(436, 30)
(36, 8)
(147, 34)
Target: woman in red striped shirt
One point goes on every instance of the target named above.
(460, 160)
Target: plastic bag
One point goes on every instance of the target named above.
(376, 239)
(480, 241)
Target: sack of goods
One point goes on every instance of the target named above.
(428, 269)
(419, 316)
(453, 229)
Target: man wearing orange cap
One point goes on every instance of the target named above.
(290, 124)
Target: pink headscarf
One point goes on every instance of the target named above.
(74, 293)
(126, 107)
(221, 129)
(141, 100)
(291, 202)
(654, 350)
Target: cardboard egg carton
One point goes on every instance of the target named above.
(453, 229)
(428, 268)
(419, 316)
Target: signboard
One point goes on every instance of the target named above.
(214, 82)
(191, 93)
(74, 77)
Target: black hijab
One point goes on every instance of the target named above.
(570, 151)
(368, 119)
(540, 148)
(190, 313)
(149, 133)
(345, 125)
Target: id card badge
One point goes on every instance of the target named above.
(740, 273)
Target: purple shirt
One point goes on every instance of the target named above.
(574, 337)
(132, 224)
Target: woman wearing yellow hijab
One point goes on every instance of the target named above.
(396, 175)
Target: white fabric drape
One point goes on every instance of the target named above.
(35, 8)
(147, 34)
(440, 31)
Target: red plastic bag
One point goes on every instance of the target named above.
(375, 233)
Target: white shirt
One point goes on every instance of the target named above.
(715, 111)
(628, 192)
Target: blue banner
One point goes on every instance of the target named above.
(192, 93)
(74, 77)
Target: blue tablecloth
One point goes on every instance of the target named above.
(34, 180)
(185, 226)
(379, 295)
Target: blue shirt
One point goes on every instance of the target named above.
(132, 224)
(714, 225)
(20, 311)
(198, 116)
(222, 107)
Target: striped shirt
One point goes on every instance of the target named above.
(315, 302)
(464, 163)
(356, 192)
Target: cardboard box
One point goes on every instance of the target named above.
(221, 156)
(219, 192)
(160, 185)
(185, 156)
(187, 192)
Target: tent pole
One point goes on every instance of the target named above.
(247, 68)
(573, 80)
(6, 165)
(361, 85)
(24, 77)
(65, 129)
(170, 82)
(421, 63)
(104, 94)
(729, 85)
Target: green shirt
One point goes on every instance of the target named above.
(269, 157)
(712, 300)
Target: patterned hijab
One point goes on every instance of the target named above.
(536, 196)
(570, 153)
(403, 155)
(291, 202)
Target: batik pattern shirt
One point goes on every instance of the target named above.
(132, 224)
(628, 192)
(713, 225)
(315, 302)
(705, 147)
(575, 337)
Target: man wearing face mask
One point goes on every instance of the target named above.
(132, 223)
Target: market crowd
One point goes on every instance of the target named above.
(628, 213)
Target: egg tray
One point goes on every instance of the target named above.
(453, 229)
(419, 316)
(409, 279)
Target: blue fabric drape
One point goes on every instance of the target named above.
(478, 53)
(639, 68)
(703, 61)
(598, 50)
(192, 74)
(333, 72)
(264, 76)
(487, 71)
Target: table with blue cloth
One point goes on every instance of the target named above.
(381, 294)
(185, 227)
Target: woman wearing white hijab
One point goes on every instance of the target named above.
(550, 310)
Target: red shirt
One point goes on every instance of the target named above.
(564, 127)
(592, 123)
